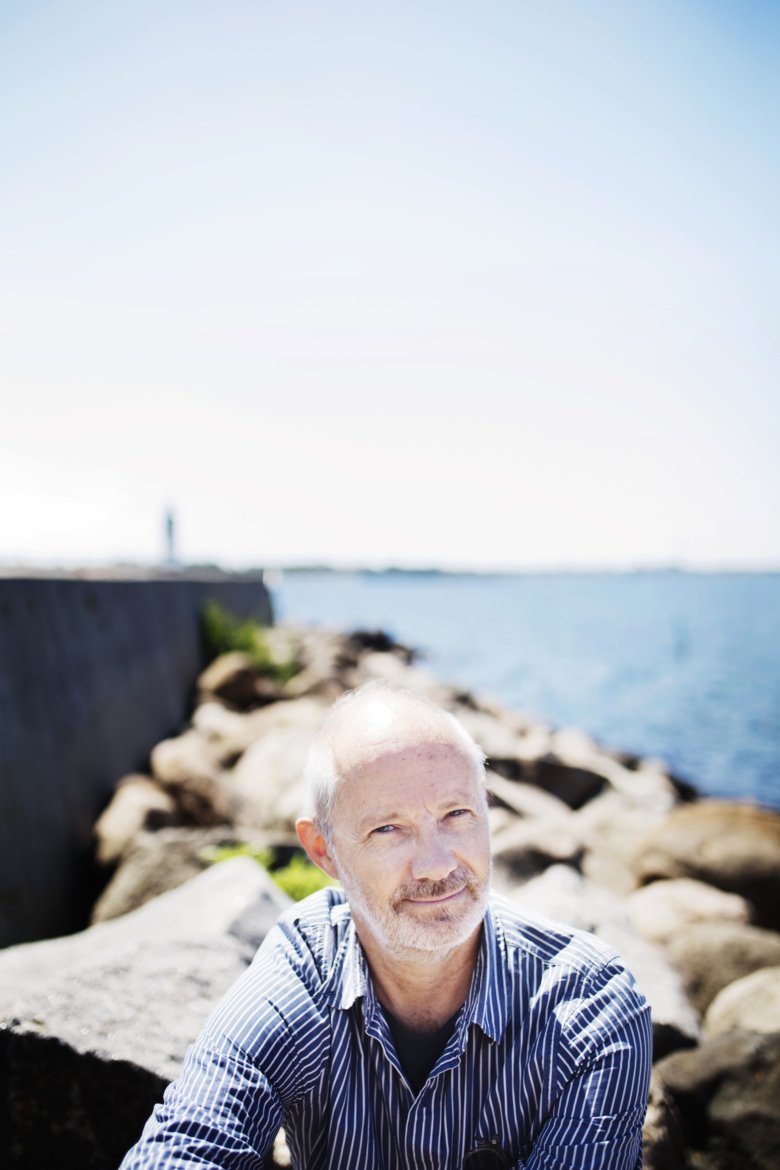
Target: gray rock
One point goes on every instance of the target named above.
(566, 896)
(267, 782)
(751, 1003)
(662, 1136)
(711, 955)
(528, 847)
(665, 909)
(228, 733)
(161, 861)
(92, 1026)
(527, 800)
(234, 678)
(187, 769)
(614, 824)
(137, 804)
(728, 1094)
(735, 847)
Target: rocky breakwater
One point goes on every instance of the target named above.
(686, 890)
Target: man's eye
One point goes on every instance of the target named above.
(383, 829)
(458, 812)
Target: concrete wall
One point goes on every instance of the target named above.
(93, 673)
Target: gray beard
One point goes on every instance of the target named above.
(399, 931)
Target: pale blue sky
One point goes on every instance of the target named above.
(489, 284)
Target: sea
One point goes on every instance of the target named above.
(679, 666)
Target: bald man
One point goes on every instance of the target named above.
(411, 1019)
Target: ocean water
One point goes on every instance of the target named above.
(684, 667)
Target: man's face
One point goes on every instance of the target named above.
(409, 840)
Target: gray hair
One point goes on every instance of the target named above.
(321, 775)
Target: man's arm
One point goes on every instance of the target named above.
(596, 1122)
(220, 1112)
(262, 1048)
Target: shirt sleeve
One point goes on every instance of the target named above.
(596, 1121)
(251, 1061)
(220, 1112)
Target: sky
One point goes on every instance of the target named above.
(421, 282)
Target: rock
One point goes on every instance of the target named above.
(161, 861)
(566, 896)
(735, 847)
(187, 769)
(611, 826)
(573, 785)
(528, 847)
(94, 1025)
(665, 909)
(267, 782)
(502, 744)
(711, 955)
(361, 640)
(137, 804)
(662, 1137)
(526, 800)
(376, 664)
(751, 1003)
(728, 1094)
(235, 679)
(228, 733)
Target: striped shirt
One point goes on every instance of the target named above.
(550, 1058)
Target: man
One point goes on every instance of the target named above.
(412, 1020)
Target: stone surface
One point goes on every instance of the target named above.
(233, 678)
(94, 1025)
(137, 804)
(566, 896)
(267, 782)
(161, 861)
(529, 847)
(735, 847)
(711, 955)
(185, 766)
(728, 1094)
(665, 909)
(751, 1003)
(662, 1138)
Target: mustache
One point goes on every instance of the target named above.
(460, 878)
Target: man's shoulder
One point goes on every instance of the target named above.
(318, 911)
(526, 934)
(313, 929)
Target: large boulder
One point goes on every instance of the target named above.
(727, 1091)
(663, 1147)
(566, 896)
(665, 910)
(138, 803)
(228, 733)
(94, 1025)
(187, 768)
(525, 848)
(735, 847)
(713, 954)
(267, 782)
(752, 1003)
(161, 861)
(234, 678)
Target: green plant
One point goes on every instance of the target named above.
(298, 878)
(222, 633)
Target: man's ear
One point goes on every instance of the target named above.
(316, 846)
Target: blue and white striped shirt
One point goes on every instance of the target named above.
(550, 1056)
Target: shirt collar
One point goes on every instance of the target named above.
(485, 1004)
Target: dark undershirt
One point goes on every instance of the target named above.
(419, 1051)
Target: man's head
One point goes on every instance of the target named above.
(397, 792)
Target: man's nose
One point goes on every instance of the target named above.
(432, 858)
